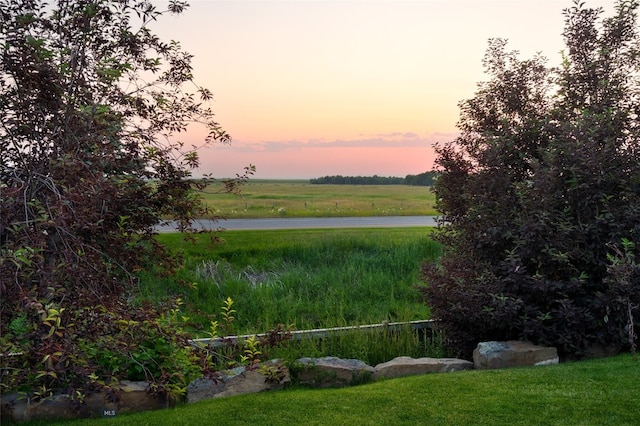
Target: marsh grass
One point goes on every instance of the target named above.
(372, 346)
(299, 278)
(271, 198)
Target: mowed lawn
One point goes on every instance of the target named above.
(298, 198)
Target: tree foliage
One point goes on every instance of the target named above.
(92, 105)
(90, 110)
(540, 195)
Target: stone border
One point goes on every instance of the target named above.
(272, 375)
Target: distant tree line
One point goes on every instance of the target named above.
(422, 179)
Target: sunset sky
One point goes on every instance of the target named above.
(360, 87)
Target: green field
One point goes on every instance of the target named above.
(298, 198)
(304, 278)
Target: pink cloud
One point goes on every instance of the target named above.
(300, 160)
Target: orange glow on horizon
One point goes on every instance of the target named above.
(316, 88)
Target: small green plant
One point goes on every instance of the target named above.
(19, 326)
(227, 315)
(251, 352)
(272, 373)
(248, 352)
(213, 330)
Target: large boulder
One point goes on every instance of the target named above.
(332, 372)
(271, 375)
(407, 366)
(133, 397)
(490, 355)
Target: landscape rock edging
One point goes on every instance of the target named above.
(318, 372)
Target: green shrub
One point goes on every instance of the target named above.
(87, 349)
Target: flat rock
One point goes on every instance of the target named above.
(407, 366)
(490, 355)
(135, 396)
(238, 381)
(332, 372)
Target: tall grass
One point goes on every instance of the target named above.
(372, 346)
(300, 278)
